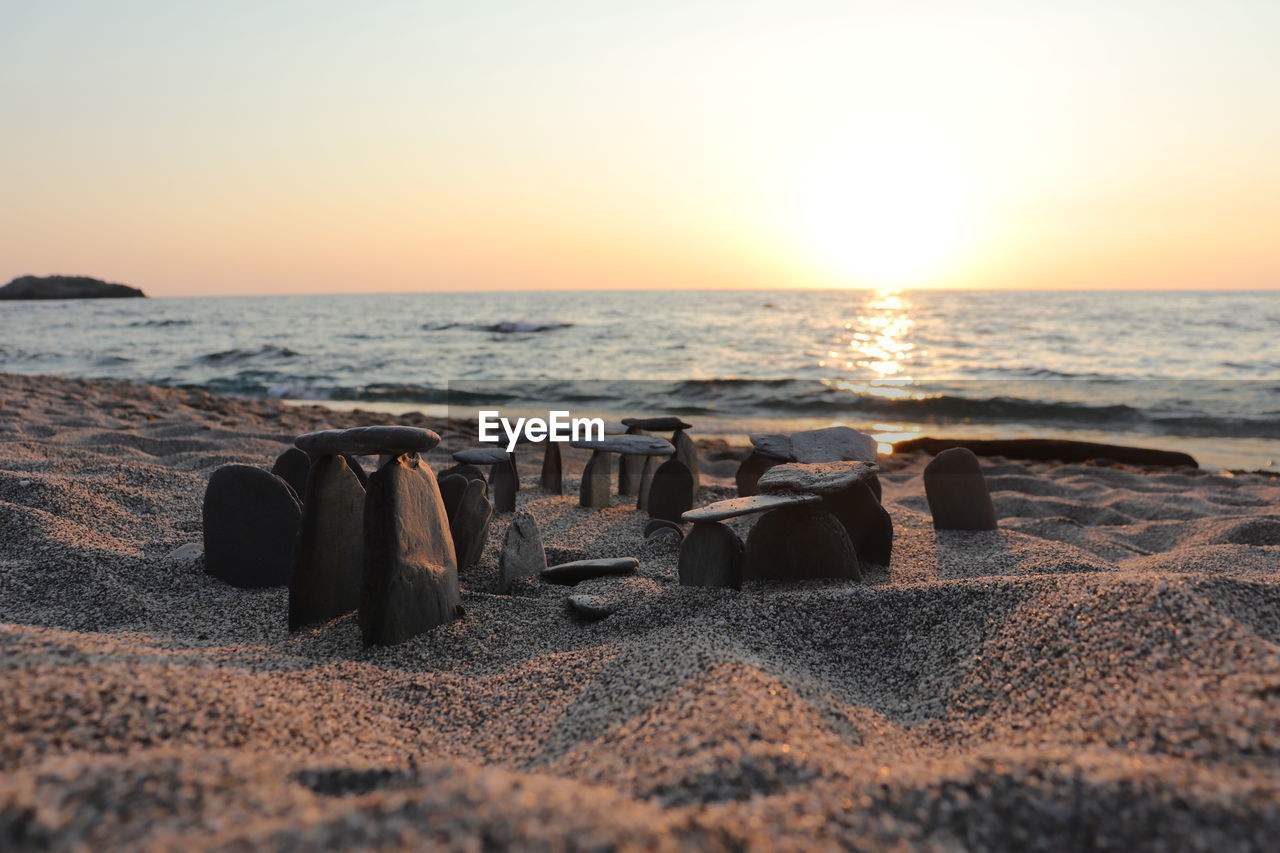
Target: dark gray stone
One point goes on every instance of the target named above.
(799, 543)
(328, 566)
(656, 526)
(833, 444)
(630, 467)
(671, 493)
(750, 472)
(250, 519)
(668, 423)
(469, 528)
(410, 572)
(292, 467)
(773, 445)
(462, 469)
(451, 489)
(687, 452)
(552, 478)
(522, 553)
(368, 441)
(481, 455)
(646, 482)
(590, 608)
(581, 570)
(868, 524)
(818, 478)
(639, 445)
(711, 555)
(720, 510)
(957, 492)
(503, 485)
(594, 489)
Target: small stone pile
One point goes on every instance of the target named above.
(833, 444)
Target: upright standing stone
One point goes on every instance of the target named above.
(469, 526)
(687, 452)
(410, 572)
(251, 519)
(671, 493)
(292, 466)
(868, 524)
(750, 471)
(594, 490)
(551, 478)
(462, 469)
(452, 488)
(711, 555)
(646, 483)
(799, 543)
(328, 565)
(522, 553)
(957, 492)
(629, 468)
(502, 482)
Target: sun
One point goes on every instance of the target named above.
(885, 219)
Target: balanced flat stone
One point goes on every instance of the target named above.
(711, 555)
(368, 441)
(687, 452)
(957, 492)
(669, 423)
(615, 428)
(773, 445)
(481, 455)
(593, 491)
(868, 524)
(818, 478)
(590, 608)
(469, 525)
(833, 444)
(410, 571)
(522, 554)
(749, 472)
(328, 565)
(250, 519)
(503, 484)
(636, 445)
(451, 490)
(581, 570)
(552, 478)
(292, 467)
(671, 493)
(721, 510)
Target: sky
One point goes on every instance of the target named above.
(290, 147)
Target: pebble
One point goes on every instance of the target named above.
(581, 570)
(592, 608)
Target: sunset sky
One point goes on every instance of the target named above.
(271, 147)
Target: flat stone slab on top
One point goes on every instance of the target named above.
(669, 423)
(817, 478)
(634, 445)
(734, 507)
(833, 444)
(481, 456)
(368, 441)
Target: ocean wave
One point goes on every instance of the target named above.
(520, 326)
(158, 324)
(262, 353)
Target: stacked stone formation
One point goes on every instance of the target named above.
(712, 554)
(594, 491)
(846, 494)
(833, 444)
(504, 478)
(640, 484)
(405, 580)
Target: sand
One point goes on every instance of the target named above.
(1101, 672)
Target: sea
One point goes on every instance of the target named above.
(1191, 371)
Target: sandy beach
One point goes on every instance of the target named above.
(1102, 672)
